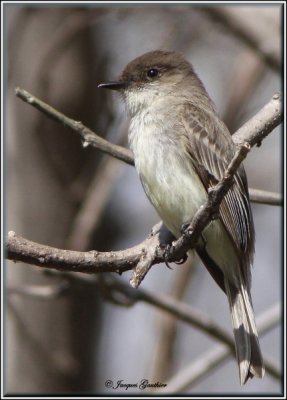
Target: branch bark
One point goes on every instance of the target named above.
(21, 249)
(262, 123)
(89, 137)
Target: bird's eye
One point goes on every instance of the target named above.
(152, 73)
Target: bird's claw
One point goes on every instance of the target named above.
(182, 261)
(166, 255)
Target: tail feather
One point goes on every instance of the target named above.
(248, 351)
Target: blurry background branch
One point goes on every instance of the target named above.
(241, 28)
(211, 359)
(178, 310)
(265, 197)
(92, 208)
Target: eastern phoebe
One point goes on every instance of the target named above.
(181, 149)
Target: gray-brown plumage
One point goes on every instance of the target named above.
(181, 149)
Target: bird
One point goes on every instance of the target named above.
(182, 149)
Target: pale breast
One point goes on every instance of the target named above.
(166, 172)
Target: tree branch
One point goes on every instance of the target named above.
(152, 250)
(262, 123)
(89, 137)
(21, 249)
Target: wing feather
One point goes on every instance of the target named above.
(211, 148)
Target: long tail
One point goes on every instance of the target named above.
(248, 351)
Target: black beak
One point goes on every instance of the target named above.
(114, 85)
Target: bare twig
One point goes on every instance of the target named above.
(89, 137)
(262, 123)
(20, 249)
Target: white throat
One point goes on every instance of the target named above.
(139, 100)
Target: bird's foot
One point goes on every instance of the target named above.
(166, 254)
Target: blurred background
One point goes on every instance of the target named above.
(69, 334)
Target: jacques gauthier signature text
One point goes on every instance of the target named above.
(142, 385)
